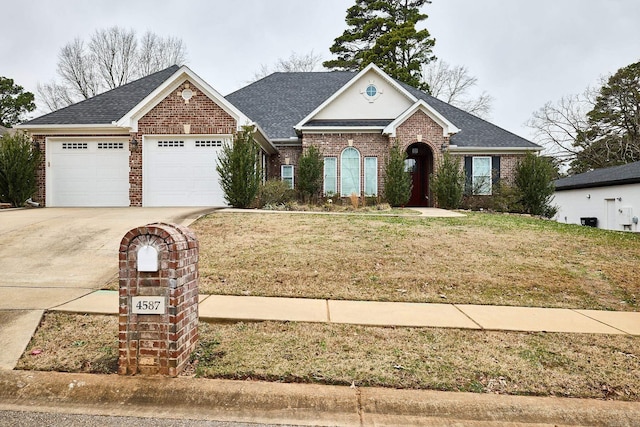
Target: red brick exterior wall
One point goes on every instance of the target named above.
(161, 344)
(368, 144)
(293, 153)
(508, 163)
(206, 117)
(377, 145)
(429, 131)
(169, 117)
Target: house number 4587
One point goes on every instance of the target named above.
(148, 305)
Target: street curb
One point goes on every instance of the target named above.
(302, 404)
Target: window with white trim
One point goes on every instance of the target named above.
(350, 172)
(370, 176)
(286, 172)
(330, 176)
(481, 175)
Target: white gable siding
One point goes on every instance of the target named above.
(352, 104)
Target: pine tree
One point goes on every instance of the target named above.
(239, 169)
(19, 163)
(384, 32)
(613, 135)
(14, 102)
(397, 187)
(310, 167)
(534, 180)
(448, 183)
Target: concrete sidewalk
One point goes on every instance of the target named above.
(528, 319)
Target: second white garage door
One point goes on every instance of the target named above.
(181, 171)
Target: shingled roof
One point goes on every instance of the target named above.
(281, 100)
(106, 107)
(616, 175)
(277, 103)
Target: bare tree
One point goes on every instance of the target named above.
(54, 96)
(111, 59)
(295, 63)
(558, 125)
(113, 51)
(453, 85)
(157, 53)
(77, 71)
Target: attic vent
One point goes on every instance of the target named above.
(110, 145)
(74, 146)
(170, 143)
(208, 143)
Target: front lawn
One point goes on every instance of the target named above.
(479, 259)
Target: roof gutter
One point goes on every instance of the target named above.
(342, 129)
(599, 184)
(481, 150)
(71, 128)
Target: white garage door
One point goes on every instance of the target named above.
(88, 173)
(182, 171)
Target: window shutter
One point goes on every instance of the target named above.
(495, 170)
(468, 174)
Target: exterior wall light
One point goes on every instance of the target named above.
(134, 142)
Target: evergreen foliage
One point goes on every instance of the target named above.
(613, 135)
(534, 180)
(18, 167)
(448, 183)
(239, 169)
(274, 192)
(14, 102)
(384, 32)
(397, 187)
(310, 168)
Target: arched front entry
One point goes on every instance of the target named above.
(420, 164)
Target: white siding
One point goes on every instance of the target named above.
(620, 201)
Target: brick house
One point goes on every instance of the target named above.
(155, 141)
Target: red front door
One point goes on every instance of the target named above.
(420, 164)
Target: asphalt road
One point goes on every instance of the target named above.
(50, 419)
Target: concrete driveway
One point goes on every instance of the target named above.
(52, 255)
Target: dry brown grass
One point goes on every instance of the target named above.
(570, 365)
(480, 259)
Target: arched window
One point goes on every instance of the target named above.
(350, 172)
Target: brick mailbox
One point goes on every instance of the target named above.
(158, 326)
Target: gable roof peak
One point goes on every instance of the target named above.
(369, 68)
(448, 128)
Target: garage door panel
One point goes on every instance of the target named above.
(182, 172)
(88, 173)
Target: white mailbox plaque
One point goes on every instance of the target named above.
(147, 259)
(148, 305)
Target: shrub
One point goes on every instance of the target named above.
(397, 187)
(18, 167)
(503, 198)
(355, 200)
(448, 183)
(239, 169)
(310, 168)
(274, 192)
(534, 180)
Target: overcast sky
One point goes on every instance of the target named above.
(524, 53)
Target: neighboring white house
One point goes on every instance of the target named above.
(605, 198)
